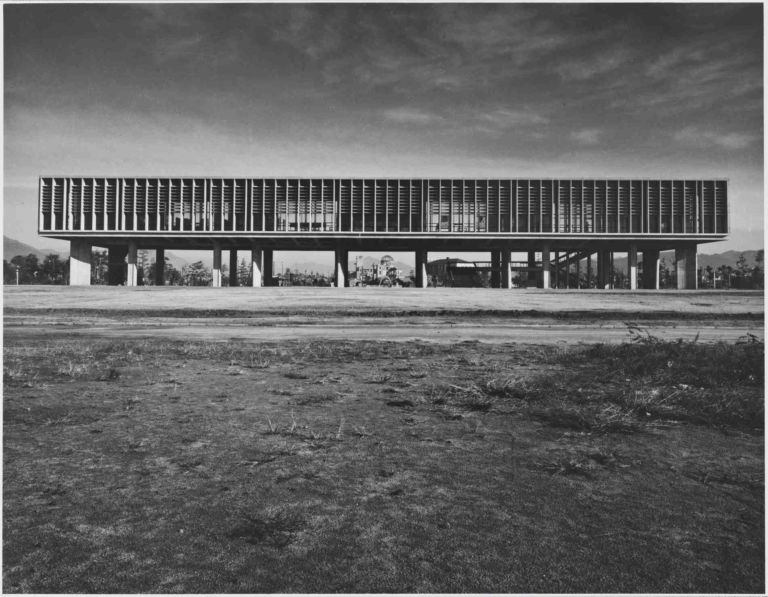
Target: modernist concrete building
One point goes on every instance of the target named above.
(550, 219)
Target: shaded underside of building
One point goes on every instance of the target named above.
(261, 215)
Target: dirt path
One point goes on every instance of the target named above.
(398, 329)
(375, 300)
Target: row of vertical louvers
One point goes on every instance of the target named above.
(383, 205)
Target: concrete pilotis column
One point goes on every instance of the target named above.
(269, 263)
(495, 269)
(589, 270)
(233, 267)
(611, 270)
(79, 263)
(531, 269)
(216, 279)
(567, 270)
(651, 270)
(686, 262)
(506, 270)
(545, 267)
(632, 265)
(556, 272)
(132, 277)
(603, 263)
(159, 267)
(256, 256)
(422, 279)
(342, 268)
(116, 265)
(578, 272)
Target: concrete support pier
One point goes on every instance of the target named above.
(132, 275)
(566, 269)
(632, 265)
(268, 260)
(495, 269)
(79, 263)
(233, 281)
(578, 273)
(506, 269)
(216, 279)
(422, 279)
(545, 267)
(651, 270)
(686, 262)
(256, 268)
(603, 268)
(116, 265)
(159, 267)
(531, 280)
(341, 268)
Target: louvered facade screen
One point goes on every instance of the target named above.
(441, 207)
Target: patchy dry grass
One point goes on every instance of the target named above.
(150, 466)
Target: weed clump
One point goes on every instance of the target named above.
(618, 388)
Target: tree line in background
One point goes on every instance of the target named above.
(743, 276)
(193, 274)
(30, 270)
(54, 270)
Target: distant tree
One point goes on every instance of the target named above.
(710, 277)
(665, 275)
(742, 271)
(243, 274)
(9, 273)
(173, 277)
(150, 273)
(196, 274)
(29, 268)
(53, 270)
(725, 276)
(144, 275)
(757, 271)
(99, 267)
(741, 263)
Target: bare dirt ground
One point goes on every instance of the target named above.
(296, 440)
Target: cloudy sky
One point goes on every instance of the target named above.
(393, 90)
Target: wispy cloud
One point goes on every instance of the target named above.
(405, 115)
(507, 118)
(696, 137)
(587, 136)
(581, 70)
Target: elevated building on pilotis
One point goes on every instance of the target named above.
(545, 218)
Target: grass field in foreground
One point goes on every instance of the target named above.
(151, 466)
